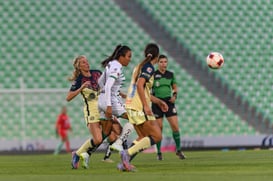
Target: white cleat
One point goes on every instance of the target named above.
(116, 146)
(107, 160)
(84, 157)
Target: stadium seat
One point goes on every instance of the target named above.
(228, 27)
(42, 38)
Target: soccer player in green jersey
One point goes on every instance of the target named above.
(165, 88)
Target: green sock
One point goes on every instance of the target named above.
(158, 147)
(58, 148)
(104, 136)
(176, 137)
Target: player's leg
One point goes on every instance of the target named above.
(147, 125)
(67, 144)
(173, 121)
(60, 144)
(116, 131)
(153, 130)
(107, 155)
(58, 148)
(141, 135)
(154, 135)
(158, 144)
(119, 111)
(159, 119)
(89, 146)
(126, 131)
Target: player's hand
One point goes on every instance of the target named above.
(172, 100)
(115, 119)
(148, 111)
(85, 84)
(123, 95)
(163, 106)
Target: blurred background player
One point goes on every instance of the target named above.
(110, 101)
(138, 106)
(165, 88)
(62, 127)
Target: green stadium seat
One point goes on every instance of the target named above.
(55, 32)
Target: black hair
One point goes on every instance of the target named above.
(162, 56)
(151, 51)
(119, 51)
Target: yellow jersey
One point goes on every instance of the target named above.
(133, 101)
(89, 94)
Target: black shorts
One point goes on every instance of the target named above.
(160, 114)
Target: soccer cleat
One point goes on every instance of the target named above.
(125, 157)
(75, 160)
(121, 168)
(116, 146)
(84, 157)
(107, 160)
(159, 156)
(181, 155)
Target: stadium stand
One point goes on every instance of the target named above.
(39, 39)
(239, 30)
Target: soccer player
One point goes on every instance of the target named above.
(85, 82)
(62, 126)
(138, 106)
(165, 88)
(110, 102)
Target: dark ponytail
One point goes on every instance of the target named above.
(151, 51)
(120, 50)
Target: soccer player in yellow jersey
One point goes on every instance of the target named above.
(138, 106)
(85, 82)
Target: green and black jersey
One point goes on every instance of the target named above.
(162, 87)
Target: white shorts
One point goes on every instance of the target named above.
(118, 108)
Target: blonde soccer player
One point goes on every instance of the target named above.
(85, 82)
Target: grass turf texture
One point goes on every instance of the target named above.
(247, 165)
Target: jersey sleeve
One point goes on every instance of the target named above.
(76, 84)
(147, 71)
(114, 72)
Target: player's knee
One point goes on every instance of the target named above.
(175, 129)
(157, 138)
(97, 140)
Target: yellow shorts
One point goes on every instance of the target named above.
(138, 117)
(91, 115)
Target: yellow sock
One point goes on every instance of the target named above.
(87, 144)
(135, 142)
(140, 145)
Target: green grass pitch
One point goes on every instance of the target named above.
(234, 165)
